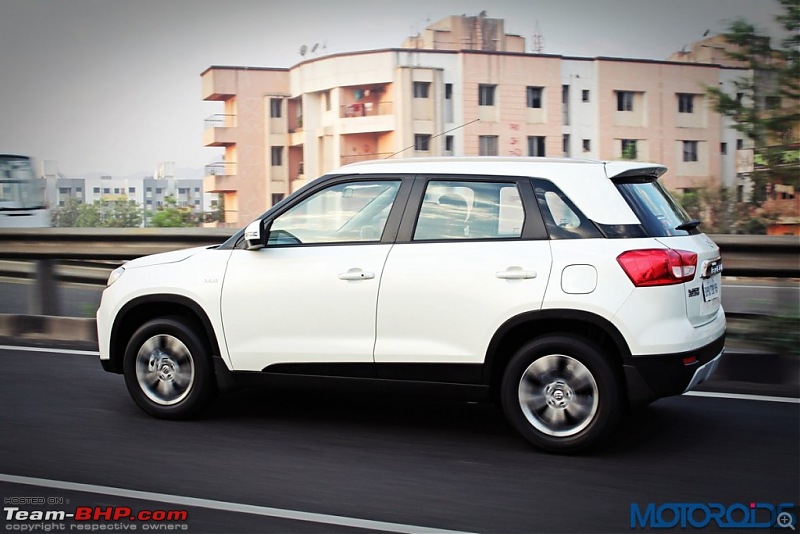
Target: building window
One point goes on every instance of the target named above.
(585, 95)
(723, 148)
(275, 107)
(116, 190)
(629, 149)
(276, 156)
(448, 143)
(422, 142)
(64, 190)
(183, 190)
(421, 89)
(131, 190)
(106, 190)
(536, 146)
(196, 189)
(448, 91)
(565, 145)
(276, 197)
(690, 151)
(587, 145)
(486, 95)
(685, 103)
(96, 190)
(535, 97)
(159, 190)
(624, 101)
(740, 144)
(487, 145)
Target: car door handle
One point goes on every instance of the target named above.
(356, 274)
(515, 273)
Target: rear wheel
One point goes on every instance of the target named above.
(168, 370)
(561, 394)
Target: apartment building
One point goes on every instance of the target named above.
(461, 87)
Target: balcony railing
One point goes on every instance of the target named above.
(220, 120)
(221, 168)
(364, 157)
(366, 109)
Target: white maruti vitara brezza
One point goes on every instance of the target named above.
(566, 290)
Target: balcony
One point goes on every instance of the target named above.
(220, 177)
(366, 117)
(220, 130)
(218, 84)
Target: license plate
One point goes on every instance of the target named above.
(711, 287)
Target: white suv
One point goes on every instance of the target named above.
(568, 290)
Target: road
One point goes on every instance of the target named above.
(371, 462)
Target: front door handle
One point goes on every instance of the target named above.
(515, 273)
(356, 274)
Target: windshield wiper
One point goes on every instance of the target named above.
(690, 225)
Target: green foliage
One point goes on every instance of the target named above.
(765, 112)
(722, 214)
(172, 216)
(114, 213)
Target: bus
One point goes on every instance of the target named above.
(22, 199)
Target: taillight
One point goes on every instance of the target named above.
(658, 266)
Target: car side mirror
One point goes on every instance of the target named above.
(254, 236)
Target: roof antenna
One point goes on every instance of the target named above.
(433, 137)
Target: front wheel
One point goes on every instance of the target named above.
(168, 369)
(561, 394)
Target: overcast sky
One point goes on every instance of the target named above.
(113, 86)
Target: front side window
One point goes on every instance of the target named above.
(470, 210)
(486, 95)
(349, 212)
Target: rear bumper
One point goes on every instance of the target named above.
(655, 376)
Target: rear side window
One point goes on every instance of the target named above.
(561, 217)
(658, 212)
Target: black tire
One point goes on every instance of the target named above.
(168, 369)
(561, 394)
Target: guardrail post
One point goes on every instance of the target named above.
(44, 299)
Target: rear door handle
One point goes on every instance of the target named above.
(515, 273)
(356, 274)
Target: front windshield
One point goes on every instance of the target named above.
(19, 188)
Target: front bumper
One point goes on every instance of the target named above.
(661, 375)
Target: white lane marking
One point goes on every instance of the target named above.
(742, 396)
(222, 505)
(55, 351)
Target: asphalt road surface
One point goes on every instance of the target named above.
(335, 461)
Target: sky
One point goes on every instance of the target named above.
(113, 86)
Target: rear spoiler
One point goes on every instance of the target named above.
(626, 169)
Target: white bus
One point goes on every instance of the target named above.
(22, 203)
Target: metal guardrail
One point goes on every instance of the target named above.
(743, 255)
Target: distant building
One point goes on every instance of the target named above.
(460, 87)
(149, 193)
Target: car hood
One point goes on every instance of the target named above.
(164, 257)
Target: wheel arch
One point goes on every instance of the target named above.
(529, 325)
(141, 309)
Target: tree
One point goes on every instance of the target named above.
(765, 105)
(116, 213)
(173, 216)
